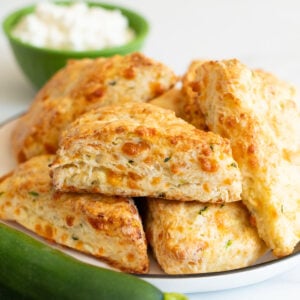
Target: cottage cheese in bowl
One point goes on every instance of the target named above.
(74, 27)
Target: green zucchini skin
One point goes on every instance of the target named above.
(9, 294)
(37, 271)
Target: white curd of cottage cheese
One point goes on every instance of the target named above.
(75, 27)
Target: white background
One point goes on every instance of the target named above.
(263, 34)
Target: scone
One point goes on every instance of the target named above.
(173, 100)
(139, 149)
(81, 85)
(191, 111)
(107, 227)
(258, 113)
(192, 237)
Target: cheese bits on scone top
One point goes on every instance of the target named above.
(139, 149)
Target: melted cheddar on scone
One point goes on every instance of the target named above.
(259, 114)
(107, 227)
(139, 149)
(193, 237)
(81, 85)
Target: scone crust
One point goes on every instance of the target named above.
(81, 85)
(172, 100)
(191, 111)
(189, 238)
(107, 227)
(258, 113)
(143, 150)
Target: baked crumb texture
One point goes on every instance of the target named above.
(139, 149)
(107, 227)
(258, 113)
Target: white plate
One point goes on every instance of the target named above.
(267, 267)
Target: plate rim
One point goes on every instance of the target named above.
(222, 273)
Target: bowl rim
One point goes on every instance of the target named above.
(11, 19)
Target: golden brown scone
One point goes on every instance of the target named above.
(173, 100)
(106, 227)
(192, 237)
(81, 85)
(257, 112)
(139, 149)
(182, 104)
(191, 111)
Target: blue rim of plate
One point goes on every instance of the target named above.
(196, 275)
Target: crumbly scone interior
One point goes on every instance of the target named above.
(106, 227)
(157, 155)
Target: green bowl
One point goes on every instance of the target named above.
(39, 64)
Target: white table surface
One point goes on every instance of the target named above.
(261, 33)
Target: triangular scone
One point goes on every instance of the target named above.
(139, 149)
(106, 227)
(81, 85)
(259, 115)
(192, 237)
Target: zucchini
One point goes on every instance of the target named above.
(9, 294)
(36, 271)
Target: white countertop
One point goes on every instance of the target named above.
(261, 33)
